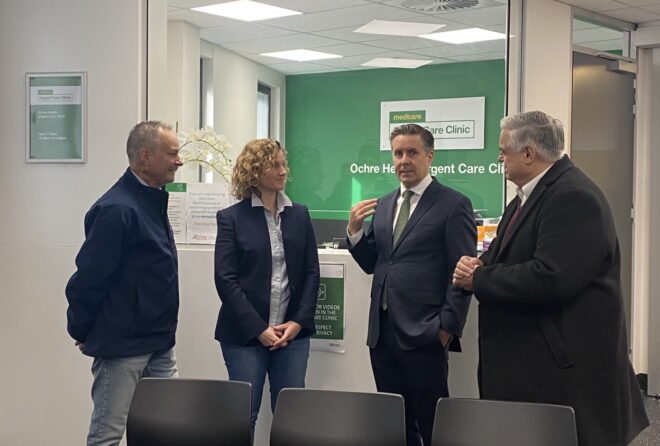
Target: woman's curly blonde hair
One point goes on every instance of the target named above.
(257, 156)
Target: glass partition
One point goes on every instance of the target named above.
(367, 66)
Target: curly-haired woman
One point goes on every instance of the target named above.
(266, 274)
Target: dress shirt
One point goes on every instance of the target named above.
(279, 282)
(527, 189)
(418, 190)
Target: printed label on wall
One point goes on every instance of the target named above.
(456, 124)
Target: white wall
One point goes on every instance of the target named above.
(44, 380)
(547, 60)
(235, 97)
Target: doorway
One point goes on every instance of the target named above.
(602, 144)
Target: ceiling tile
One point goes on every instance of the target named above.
(328, 25)
(351, 49)
(302, 67)
(595, 34)
(579, 24)
(640, 2)
(596, 5)
(481, 17)
(604, 45)
(403, 43)
(634, 15)
(283, 43)
(355, 16)
(192, 3)
(652, 8)
(308, 6)
(347, 34)
(200, 19)
(492, 46)
(240, 31)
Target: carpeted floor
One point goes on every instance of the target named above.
(650, 436)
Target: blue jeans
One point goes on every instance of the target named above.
(286, 367)
(112, 391)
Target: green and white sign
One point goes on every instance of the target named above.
(55, 117)
(329, 319)
(456, 123)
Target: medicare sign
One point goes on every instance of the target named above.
(456, 124)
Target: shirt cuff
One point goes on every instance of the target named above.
(355, 238)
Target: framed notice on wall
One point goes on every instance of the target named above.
(56, 117)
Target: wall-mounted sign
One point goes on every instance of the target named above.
(455, 123)
(56, 114)
(329, 318)
(192, 208)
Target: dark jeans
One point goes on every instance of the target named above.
(286, 367)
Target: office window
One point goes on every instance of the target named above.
(263, 111)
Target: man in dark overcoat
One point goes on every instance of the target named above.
(551, 319)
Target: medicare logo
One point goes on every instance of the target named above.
(406, 117)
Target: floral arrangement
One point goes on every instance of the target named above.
(207, 149)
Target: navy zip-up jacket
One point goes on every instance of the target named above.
(124, 297)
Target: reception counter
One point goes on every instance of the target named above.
(199, 354)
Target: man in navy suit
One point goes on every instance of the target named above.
(418, 233)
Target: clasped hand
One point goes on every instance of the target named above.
(279, 335)
(464, 272)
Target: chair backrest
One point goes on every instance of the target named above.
(177, 412)
(471, 422)
(306, 417)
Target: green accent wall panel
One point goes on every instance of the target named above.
(333, 122)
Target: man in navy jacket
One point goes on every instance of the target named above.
(417, 234)
(124, 296)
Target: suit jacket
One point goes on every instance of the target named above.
(551, 319)
(417, 271)
(243, 268)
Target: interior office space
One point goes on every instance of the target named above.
(143, 59)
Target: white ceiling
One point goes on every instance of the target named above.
(328, 25)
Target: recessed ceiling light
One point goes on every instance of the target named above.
(398, 28)
(465, 36)
(389, 62)
(246, 10)
(301, 55)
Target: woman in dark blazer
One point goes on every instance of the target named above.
(266, 274)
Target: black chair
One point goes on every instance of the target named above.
(471, 422)
(306, 417)
(190, 412)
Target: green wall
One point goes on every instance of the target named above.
(333, 121)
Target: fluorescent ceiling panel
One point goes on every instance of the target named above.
(465, 36)
(301, 55)
(388, 62)
(390, 28)
(246, 10)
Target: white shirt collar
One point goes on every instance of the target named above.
(420, 187)
(527, 189)
(142, 182)
(282, 201)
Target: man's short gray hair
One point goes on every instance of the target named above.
(538, 129)
(145, 134)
